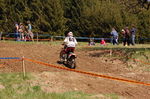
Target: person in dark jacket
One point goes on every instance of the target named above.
(126, 35)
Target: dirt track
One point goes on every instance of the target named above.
(62, 81)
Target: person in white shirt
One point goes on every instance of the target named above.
(70, 43)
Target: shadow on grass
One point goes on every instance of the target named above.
(123, 54)
(114, 48)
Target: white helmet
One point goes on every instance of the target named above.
(70, 34)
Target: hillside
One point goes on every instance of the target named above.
(55, 80)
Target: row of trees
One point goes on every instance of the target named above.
(91, 18)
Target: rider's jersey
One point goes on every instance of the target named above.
(70, 41)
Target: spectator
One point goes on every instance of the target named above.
(103, 42)
(114, 34)
(30, 33)
(91, 42)
(22, 30)
(123, 33)
(126, 36)
(17, 31)
(133, 33)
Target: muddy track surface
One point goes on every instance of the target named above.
(57, 80)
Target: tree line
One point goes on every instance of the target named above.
(90, 18)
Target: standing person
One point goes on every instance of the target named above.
(133, 33)
(30, 33)
(126, 34)
(17, 31)
(114, 34)
(23, 31)
(123, 33)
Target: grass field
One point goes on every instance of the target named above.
(15, 87)
(83, 44)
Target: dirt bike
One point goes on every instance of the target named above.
(68, 59)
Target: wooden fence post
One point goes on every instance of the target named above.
(1, 36)
(51, 38)
(37, 37)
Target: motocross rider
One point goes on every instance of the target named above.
(69, 43)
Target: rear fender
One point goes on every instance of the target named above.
(72, 55)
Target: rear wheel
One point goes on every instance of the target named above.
(72, 63)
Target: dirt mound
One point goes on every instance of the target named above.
(54, 80)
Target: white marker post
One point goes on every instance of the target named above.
(23, 67)
(110, 52)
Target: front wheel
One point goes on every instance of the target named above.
(62, 55)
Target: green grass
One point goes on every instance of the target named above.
(18, 88)
(35, 42)
(144, 57)
(111, 96)
(82, 44)
(110, 46)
